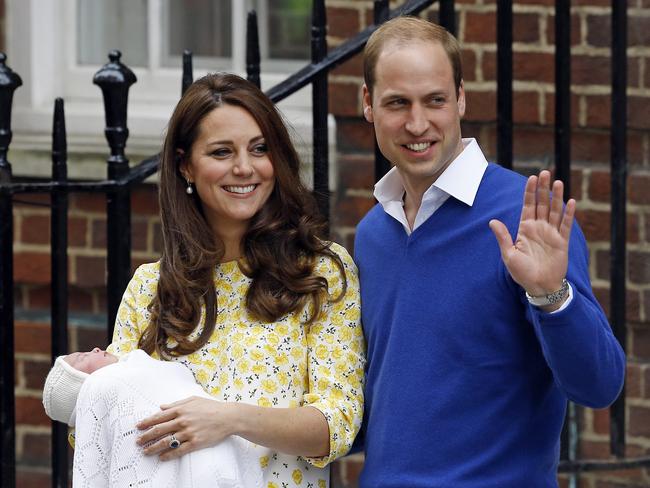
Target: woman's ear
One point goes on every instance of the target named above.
(183, 166)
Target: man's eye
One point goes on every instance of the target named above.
(397, 102)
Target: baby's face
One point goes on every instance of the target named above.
(91, 361)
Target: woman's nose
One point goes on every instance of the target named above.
(243, 167)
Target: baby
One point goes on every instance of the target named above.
(104, 398)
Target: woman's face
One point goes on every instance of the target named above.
(230, 167)
(90, 361)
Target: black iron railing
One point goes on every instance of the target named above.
(115, 79)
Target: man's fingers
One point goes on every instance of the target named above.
(543, 197)
(567, 219)
(555, 216)
(503, 236)
(530, 199)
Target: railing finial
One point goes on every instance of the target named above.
(9, 81)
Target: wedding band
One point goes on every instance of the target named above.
(173, 442)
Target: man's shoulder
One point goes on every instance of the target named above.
(373, 218)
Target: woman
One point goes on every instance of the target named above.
(246, 294)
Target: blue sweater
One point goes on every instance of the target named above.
(467, 383)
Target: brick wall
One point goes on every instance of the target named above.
(533, 149)
(533, 60)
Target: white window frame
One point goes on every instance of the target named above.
(41, 47)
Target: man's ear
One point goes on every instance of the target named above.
(461, 99)
(367, 104)
(183, 166)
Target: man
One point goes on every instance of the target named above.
(104, 400)
(474, 343)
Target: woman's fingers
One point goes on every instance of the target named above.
(156, 432)
(158, 418)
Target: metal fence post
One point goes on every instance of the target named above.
(252, 50)
(115, 79)
(9, 81)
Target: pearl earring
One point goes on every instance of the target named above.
(189, 190)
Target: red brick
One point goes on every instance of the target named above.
(88, 338)
(350, 210)
(550, 109)
(634, 381)
(139, 234)
(80, 299)
(30, 411)
(639, 189)
(90, 271)
(480, 27)
(526, 107)
(599, 111)
(27, 477)
(35, 229)
(35, 373)
(352, 471)
(638, 30)
(343, 22)
(157, 237)
(98, 233)
(594, 449)
(32, 338)
(354, 135)
(77, 229)
(532, 143)
(481, 106)
(345, 98)
(468, 64)
(601, 421)
(144, 200)
(599, 28)
(576, 30)
(646, 383)
(639, 421)
(639, 267)
(356, 171)
(596, 225)
(39, 297)
(576, 185)
(526, 27)
(590, 70)
(88, 202)
(352, 67)
(599, 186)
(590, 147)
(36, 450)
(641, 345)
(632, 297)
(638, 110)
(489, 66)
(31, 267)
(535, 2)
(538, 67)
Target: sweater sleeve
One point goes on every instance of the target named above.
(336, 350)
(587, 361)
(133, 314)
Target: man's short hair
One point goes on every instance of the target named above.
(403, 30)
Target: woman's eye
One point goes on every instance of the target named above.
(260, 149)
(221, 153)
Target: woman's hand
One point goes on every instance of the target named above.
(195, 422)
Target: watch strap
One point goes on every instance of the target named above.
(552, 298)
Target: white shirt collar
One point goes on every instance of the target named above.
(460, 180)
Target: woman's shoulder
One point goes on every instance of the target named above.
(326, 267)
(146, 277)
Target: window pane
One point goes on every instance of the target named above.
(202, 26)
(289, 26)
(103, 25)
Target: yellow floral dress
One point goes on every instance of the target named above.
(282, 364)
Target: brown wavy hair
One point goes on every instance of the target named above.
(281, 245)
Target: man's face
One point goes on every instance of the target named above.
(88, 362)
(415, 111)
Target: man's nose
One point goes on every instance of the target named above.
(417, 122)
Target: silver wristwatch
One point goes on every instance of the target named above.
(551, 298)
